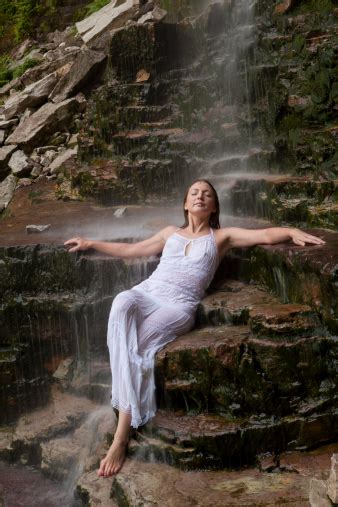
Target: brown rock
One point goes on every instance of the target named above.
(284, 7)
(48, 119)
(142, 76)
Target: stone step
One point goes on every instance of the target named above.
(159, 484)
(297, 274)
(285, 198)
(130, 116)
(210, 441)
(230, 371)
(256, 159)
(236, 302)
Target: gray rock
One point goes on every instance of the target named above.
(156, 15)
(2, 136)
(24, 182)
(108, 18)
(120, 212)
(42, 149)
(318, 494)
(73, 141)
(44, 122)
(5, 155)
(332, 482)
(84, 69)
(61, 159)
(36, 171)
(31, 229)
(89, 22)
(33, 95)
(7, 188)
(7, 124)
(20, 164)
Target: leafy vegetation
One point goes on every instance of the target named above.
(94, 6)
(7, 73)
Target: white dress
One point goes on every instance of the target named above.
(153, 313)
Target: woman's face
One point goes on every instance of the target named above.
(200, 200)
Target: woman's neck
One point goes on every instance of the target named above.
(197, 226)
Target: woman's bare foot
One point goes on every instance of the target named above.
(114, 459)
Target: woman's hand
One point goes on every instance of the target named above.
(77, 244)
(301, 238)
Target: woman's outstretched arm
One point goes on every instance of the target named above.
(150, 246)
(237, 237)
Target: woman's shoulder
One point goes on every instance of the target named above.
(168, 231)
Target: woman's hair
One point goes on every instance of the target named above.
(214, 217)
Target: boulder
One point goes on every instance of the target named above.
(32, 96)
(85, 68)
(61, 159)
(44, 122)
(20, 164)
(5, 155)
(107, 18)
(156, 15)
(7, 188)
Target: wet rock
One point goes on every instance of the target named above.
(142, 76)
(31, 229)
(32, 96)
(283, 319)
(5, 155)
(155, 15)
(48, 119)
(332, 482)
(120, 212)
(7, 188)
(20, 164)
(85, 68)
(318, 494)
(107, 18)
(60, 160)
(299, 103)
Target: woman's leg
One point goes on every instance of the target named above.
(114, 459)
(129, 307)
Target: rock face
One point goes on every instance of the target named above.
(85, 67)
(47, 120)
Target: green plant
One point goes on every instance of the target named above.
(27, 64)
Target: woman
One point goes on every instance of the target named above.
(150, 315)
